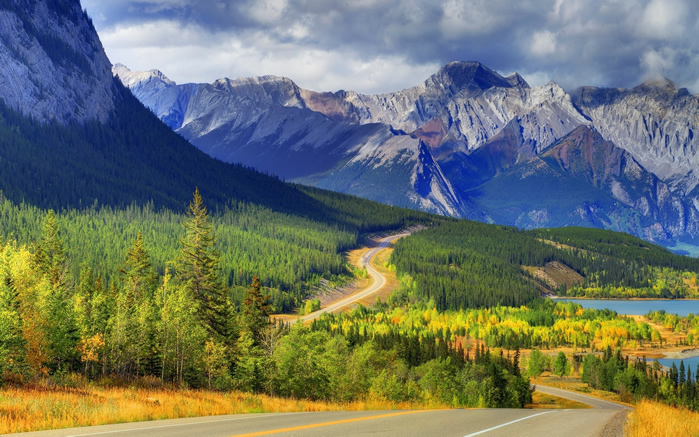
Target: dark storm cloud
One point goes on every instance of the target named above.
(574, 42)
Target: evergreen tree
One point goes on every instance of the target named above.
(138, 274)
(255, 311)
(139, 282)
(561, 365)
(12, 351)
(50, 259)
(49, 254)
(198, 270)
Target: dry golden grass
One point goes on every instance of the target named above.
(40, 408)
(652, 419)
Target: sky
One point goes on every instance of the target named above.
(378, 46)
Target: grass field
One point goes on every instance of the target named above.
(652, 419)
(34, 408)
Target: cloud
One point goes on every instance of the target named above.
(385, 45)
(253, 55)
(665, 20)
(543, 43)
(657, 63)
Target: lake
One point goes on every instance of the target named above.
(689, 363)
(639, 307)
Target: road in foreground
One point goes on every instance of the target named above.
(378, 281)
(605, 419)
(458, 423)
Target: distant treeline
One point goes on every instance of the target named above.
(465, 264)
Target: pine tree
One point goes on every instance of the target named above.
(49, 254)
(138, 274)
(50, 259)
(138, 284)
(198, 269)
(255, 311)
(12, 350)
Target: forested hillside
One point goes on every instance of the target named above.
(179, 325)
(288, 252)
(467, 264)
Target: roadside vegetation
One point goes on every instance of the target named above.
(180, 329)
(653, 419)
(41, 407)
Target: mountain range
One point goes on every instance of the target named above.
(467, 142)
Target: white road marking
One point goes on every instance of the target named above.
(508, 423)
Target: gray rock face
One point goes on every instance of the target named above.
(655, 122)
(432, 146)
(267, 122)
(53, 64)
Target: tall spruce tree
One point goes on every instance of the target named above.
(50, 259)
(255, 311)
(137, 273)
(198, 269)
(49, 254)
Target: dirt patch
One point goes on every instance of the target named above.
(556, 274)
(671, 346)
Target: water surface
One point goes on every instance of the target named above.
(689, 363)
(639, 307)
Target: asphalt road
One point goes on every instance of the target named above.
(579, 397)
(458, 423)
(378, 281)
(605, 419)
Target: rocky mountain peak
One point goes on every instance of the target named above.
(585, 134)
(263, 89)
(54, 66)
(130, 78)
(473, 75)
(517, 81)
(659, 84)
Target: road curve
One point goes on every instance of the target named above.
(579, 397)
(378, 281)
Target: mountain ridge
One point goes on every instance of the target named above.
(469, 124)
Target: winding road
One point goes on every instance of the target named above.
(378, 281)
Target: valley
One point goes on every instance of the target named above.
(171, 251)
